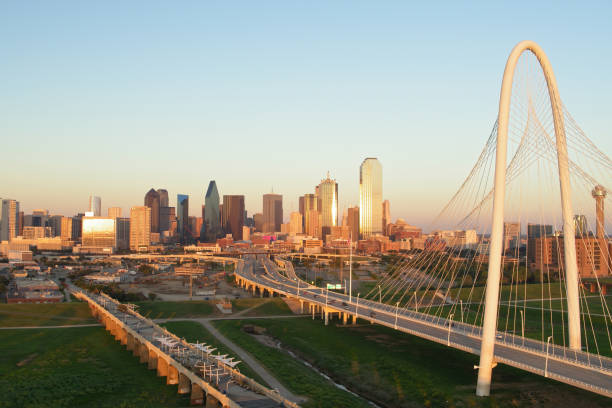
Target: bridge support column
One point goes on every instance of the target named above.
(123, 337)
(197, 395)
(344, 318)
(326, 316)
(184, 384)
(354, 319)
(130, 342)
(144, 353)
(162, 367)
(312, 308)
(301, 307)
(152, 363)
(173, 375)
(136, 349)
(212, 402)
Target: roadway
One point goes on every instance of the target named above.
(581, 369)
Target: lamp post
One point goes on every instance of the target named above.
(546, 363)
(522, 326)
(357, 307)
(396, 313)
(461, 305)
(379, 294)
(450, 323)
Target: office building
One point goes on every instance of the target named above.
(167, 216)
(353, 223)
(295, 223)
(272, 212)
(386, 214)
(99, 234)
(163, 198)
(9, 226)
(55, 223)
(311, 203)
(140, 228)
(95, 205)
(67, 233)
(123, 233)
(182, 215)
(114, 212)
(258, 221)
(327, 193)
(212, 219)
(581, 227)
(233, 215)
(370, 198)
(151, 200)
(512, 235)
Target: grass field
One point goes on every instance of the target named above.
(194, 331)
(261, 306)
(49, 314)
(394, 369)
(300, 379)
(166, 310)
(76, 367)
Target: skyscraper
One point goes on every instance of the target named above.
(163, 198)
(151, 200)
(99, 233)
(370, 197)
(353, 223)
(182, 215)
(212, 220)
(386, 214)
(114, 212)
(310, 203)
(9, 226)
(295, 223)
(328, 200)
(140, 227)
(272, 212)
(95, 205)
(233, 215)
(167, 215)
(580, 225)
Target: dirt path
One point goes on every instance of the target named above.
(251, 361)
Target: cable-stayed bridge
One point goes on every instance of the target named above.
(533, 298)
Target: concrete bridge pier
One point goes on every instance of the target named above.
(173, 375)
(354, 319)
(197, 395)
(212, 402)
(162, 367)
(301, 307)
(344, 318)
(184, 384)
(326, 316)
(144, 353)
(312, 308)
(152, 362)
(123, 337)
(130, 342)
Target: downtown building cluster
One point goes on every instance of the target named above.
(318, 226)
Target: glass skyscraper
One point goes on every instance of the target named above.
(370, 198)
(328, 200)
(182, 215)
(212, 220)
(152, 200)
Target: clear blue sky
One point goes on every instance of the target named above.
(118, 97)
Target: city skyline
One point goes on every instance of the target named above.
(374, 88)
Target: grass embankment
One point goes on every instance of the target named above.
(393, 368)
(195, 332)
(49, 314)
(261, 306)
(301, 380)
(168, 310)
(77, 367)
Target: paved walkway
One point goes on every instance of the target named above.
(251, 361)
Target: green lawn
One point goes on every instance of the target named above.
(161, 310)
(194, 331)
(393, 368)
(77, 367)
(45, 314)
(261, 306)
(300, 379)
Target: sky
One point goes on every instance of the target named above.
(114, 98)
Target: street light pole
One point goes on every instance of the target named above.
(522, 326)
(461, 304)
(396, 313)
(450, 323)
(379, 295)
(546, 363)
(350, 269)
(357, 307)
